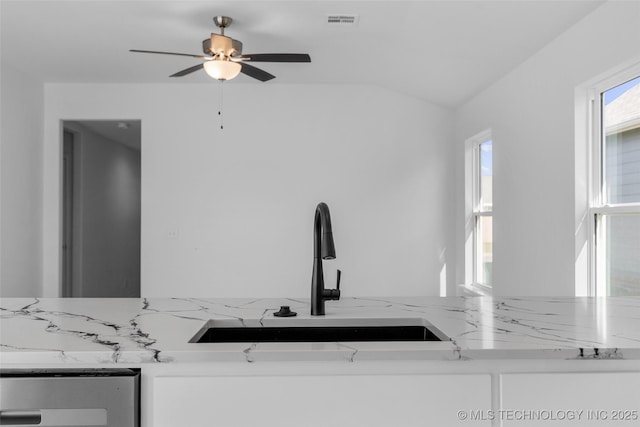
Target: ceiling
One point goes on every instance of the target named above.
(126, 132)
(441, 51)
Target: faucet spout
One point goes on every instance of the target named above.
(323, 248)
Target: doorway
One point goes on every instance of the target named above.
(101, 204)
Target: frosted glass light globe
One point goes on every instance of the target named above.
(221, 69)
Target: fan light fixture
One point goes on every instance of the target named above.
(223, 58)
(221, 69)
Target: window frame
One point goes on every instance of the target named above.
(474, 212)
(598, 206)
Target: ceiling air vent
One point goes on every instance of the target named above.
(342, 20)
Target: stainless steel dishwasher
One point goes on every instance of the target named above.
(70, 397)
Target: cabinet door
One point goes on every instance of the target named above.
(589, 399)
(337, 400)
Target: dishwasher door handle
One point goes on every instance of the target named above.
(20, 418)
(54, 417)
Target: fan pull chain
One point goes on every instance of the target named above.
(221, 104)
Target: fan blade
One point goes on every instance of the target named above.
(277, 57)
(187, 71)
(169, 53)
(256, 73)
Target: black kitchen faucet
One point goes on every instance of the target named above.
(323, 248)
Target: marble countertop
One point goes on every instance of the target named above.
(157, 330)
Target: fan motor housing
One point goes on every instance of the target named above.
(221, 45)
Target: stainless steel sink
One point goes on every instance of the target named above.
(317, 330)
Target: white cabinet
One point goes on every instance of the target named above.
(314, 400)
(597, 399)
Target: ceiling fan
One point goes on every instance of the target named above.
(223, 58)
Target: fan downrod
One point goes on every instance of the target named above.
(222, 22)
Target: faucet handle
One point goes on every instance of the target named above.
(333, 294)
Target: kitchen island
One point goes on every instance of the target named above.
(539, 354)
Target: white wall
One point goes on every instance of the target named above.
(531, 113)
(230, 212)
(20, 184)
(106, 232)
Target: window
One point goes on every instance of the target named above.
(479, 253)
(616, 188)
